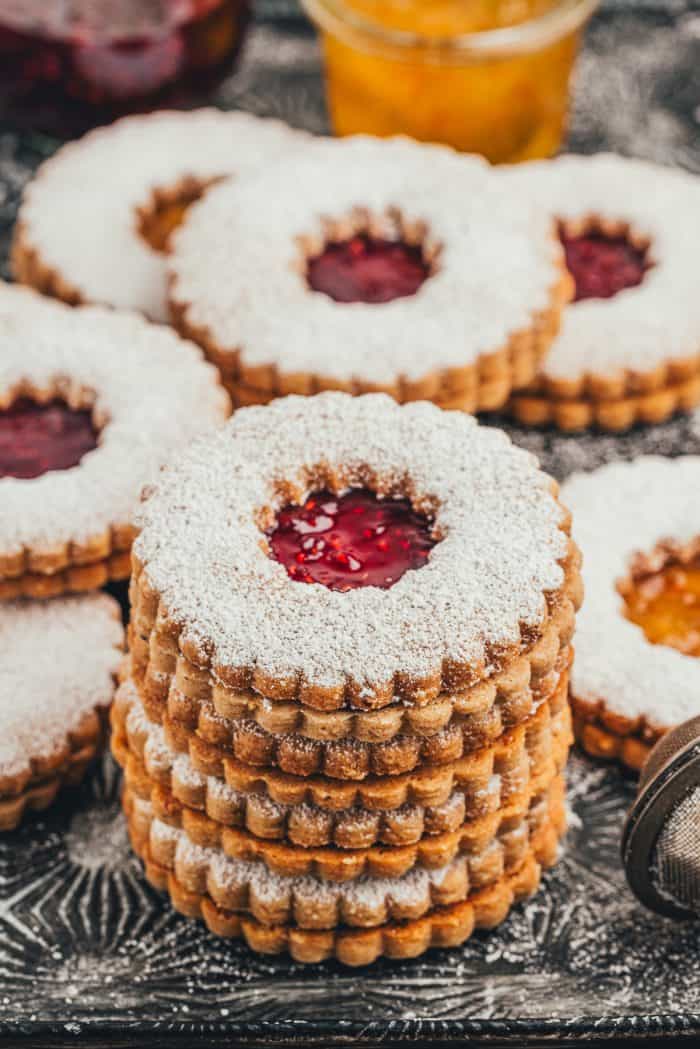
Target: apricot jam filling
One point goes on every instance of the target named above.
(351, 540)
(603, 265)
(38, 438)
(166, 212)
(368, 269)
(666, 605)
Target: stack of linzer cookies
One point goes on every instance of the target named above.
(361, 754)
(343, 715)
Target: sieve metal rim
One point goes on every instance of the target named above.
(645, 821)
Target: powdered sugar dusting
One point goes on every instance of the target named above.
(619, 510)
(152, 393)
(155, 751)
(367, 891)
(158, 755)
(237, 262)
(80, 211)
(58, 663)
(499, 524)
(639, 327)
(160, 832)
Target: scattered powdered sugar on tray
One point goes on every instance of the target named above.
(619, 510)
(152, 393)
(238, 266)
(499, 526)
(58, 663)
(97, 839)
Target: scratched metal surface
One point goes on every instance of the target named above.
(88, 950)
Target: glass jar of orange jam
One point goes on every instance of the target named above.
(484, 76)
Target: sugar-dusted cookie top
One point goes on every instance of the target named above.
(366, 264)
(481, 595)
(92, 402)
(631, 519)
(58, 663)
(90, 219)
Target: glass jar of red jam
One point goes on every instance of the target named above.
(67, 65)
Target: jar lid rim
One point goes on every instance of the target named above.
(563, 17)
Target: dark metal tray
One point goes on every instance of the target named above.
(89, 954)
(87, 948)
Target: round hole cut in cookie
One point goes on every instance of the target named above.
(445, 926)
(370, 265)
(206, 586)
(638, 525)
(628, 350)
(91, 404)
(488, 782)
(95, 221)
(58, 665)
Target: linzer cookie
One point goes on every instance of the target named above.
(396, 811)
(444, 926)
(364, 896)
(171, 684)
(494, 774)
(346, 700)
(492, 840)
(215, 738)
(91, 403)
(629, 346)
(332, 864)
(479, 715)
(317, 623)
(58, 666)
(369, 265)
(96, 221)
(636, 672)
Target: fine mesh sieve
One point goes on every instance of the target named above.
(676, 857)
(661, 838)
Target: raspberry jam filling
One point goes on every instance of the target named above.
(602, 266)
(367, 269)
(351, 540)
(666, 605)
(38, 438)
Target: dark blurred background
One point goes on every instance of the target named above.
(637, 87)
